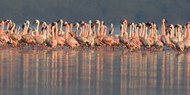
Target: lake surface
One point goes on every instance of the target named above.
(93, 72)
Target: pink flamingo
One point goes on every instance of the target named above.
(90, 36)
(82, 40)
(52, 42)
(123, 39)
(157, 43)
(4, 38)
(165, 38)
(109, 40)
(69, 40)
(27, 38)
(180, 45)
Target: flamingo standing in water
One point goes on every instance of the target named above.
(165, 38)
(123, 39)
(148, 42)
(173, 39)
(180, 46)
(135, 42)
(4, 38)
(82, 40)
(27, 38)
(90, 36)
(69, 40)
(187, 39)
(51, 41)
(60, 39)
(157, 43)
(61, 27)
(39, 38)
(109, 40)
(98, 39)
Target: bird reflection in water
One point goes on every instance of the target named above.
(89, 71)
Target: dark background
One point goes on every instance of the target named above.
(111, 11)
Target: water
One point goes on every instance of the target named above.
(93, 72)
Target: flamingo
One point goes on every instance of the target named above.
(98, 39)
(165, 38)
(148, 42)
(60, 39)
(109, 40)
(27, 38)
(4, 38)
(82, 40)
(69, 40)
(90, 36)
(134, 43)
(123, 39)
(173, 39)
(52, 42)
(60, 28)
(157, 43)
(180, 46)
(187, 39)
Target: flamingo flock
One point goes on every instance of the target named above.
(94, 35)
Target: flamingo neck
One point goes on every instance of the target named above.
(163, 29)
(133, 30)
(102, 30)
(60, 28)
(188, 34)
(86, 30)
(172, 32)
(105, 30)
(67, 31)
(125, 27)
(143, 30)
(121, 35)
(136, 33)
(76, 33)
(98, 30)
(2, 28)
(11, 32)
(130, 32)
(47, 33)
(53, 35)
(145, 36)
(176, 33)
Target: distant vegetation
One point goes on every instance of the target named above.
(176, 11)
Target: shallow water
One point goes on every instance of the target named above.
(93, 72)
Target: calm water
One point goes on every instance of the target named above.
(93, 72)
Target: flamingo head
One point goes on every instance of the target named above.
(97, 22)
(54, 23)
(36, 21)
(70, 24)
(81, 22)
(122, 21)
(90, 22)
(139, 25)
(103, 23)
(129, 24)
(43, 23)
(60, 20)
(24, 25)
(143, 23)
(76, 24)
(80, 28)
(65, 23)
(27, 22)
(184, 27)
(164, 20)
